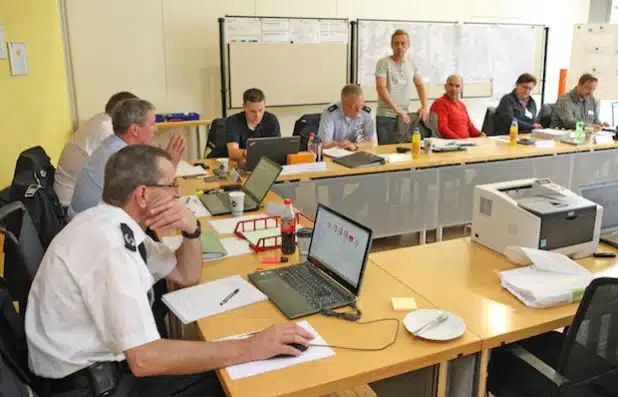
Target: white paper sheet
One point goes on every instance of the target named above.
(304, 167)
(243, 30)
(227, 226)
(194, 205)
(234, 246)
(305, 31)
(334, 31)
(336, 152)
(203, 300)
(275, 30)
(259, 367)
(186, 169)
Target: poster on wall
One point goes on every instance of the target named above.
(3, 54)
(18, 58)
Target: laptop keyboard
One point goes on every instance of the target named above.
(315, 289)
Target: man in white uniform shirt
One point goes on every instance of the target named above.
(88, 315)
(394, 77)
(81, 146)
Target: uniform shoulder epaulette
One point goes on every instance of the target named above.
(332, 108)
(367, 109)
(128, 236)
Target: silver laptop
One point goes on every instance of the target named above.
(333, 273)
(605, 195)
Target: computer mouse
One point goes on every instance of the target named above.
(297, 346)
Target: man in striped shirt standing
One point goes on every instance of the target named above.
(394, 77)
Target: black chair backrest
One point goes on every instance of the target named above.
(216, 139)
(592, 340)
(489, 121)
(23, 251)
(305, 126)
(545, 114)
(403, 133)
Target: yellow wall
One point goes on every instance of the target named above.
(34, 109)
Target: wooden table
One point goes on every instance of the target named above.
(460, 276)
(195, 154)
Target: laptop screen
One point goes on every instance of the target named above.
(340, 246)
(605, 195)
(261, 179)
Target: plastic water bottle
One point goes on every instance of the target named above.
(513, 132)
(416, 143)
(317, 148)
(310, 143)
(579, 131)
(288, 229)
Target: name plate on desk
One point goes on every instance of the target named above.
(545, 144)
(603, 139)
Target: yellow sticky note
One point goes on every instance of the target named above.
(404, 304)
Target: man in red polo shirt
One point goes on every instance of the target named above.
(453, 119)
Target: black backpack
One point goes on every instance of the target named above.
(217, 139)
(305, 126)
(33, 185)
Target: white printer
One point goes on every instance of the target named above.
(535, 213)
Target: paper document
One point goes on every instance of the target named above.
(305, 31)
(304, 167)
(234, 246)
(193, 204)
(552, 279)
(392, 158)
(185, 169)
(203, 300)
(227, 226)
(336, 152)
(259, 367)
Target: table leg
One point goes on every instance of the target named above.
(442, 379)
(422, 237)
(439, 231)
(482, 390)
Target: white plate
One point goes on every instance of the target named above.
(451, 328)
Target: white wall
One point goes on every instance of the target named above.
(167, 50)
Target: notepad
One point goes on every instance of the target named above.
(184, 169)
(211, 246)
(203, 300)
(336, 152)
(253, 368)
(406, 304)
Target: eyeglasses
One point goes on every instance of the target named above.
(170, 186)
(527, 87)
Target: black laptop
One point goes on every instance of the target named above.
(256, 187)
(333, 273)
(276, 149)
(605, 195)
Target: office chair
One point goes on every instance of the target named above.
(582, 361)
(489, 121)
(23, 251)
(216, 145)
(305, 126)
(545, 114)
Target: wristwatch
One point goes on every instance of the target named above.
(195, 234)
(355, 147)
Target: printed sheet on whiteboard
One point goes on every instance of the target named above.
(243, 30)
(513, 54)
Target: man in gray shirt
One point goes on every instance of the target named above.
(348, 124)
(578, 104)
(394, 77)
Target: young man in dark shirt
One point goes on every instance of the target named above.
(253, 122)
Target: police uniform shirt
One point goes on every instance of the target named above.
(335, 126)
(89, 299)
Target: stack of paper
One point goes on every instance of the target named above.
(303, 167)
(185, 169)
(240, 371)
(552, 279)
(193, 204)
(336, 152)
(550, 133)
(204, 300)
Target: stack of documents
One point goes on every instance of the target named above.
(185, 169)
(204, 300)
(303, 167)
(550, 133)
(552, 279)
(336, 152)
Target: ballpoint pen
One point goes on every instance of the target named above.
(227, 298)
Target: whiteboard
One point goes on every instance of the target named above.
(488, 57)
(289, 74)
(595, 50)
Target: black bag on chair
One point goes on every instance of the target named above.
(33, 185)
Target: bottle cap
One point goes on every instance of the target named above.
(287, 201)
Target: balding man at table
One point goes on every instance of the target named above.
(453, 119)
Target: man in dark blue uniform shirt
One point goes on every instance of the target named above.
(253, 122)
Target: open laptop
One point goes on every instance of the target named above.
(333, 273)
(276, 149)
(605, 195)
(256, 187)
